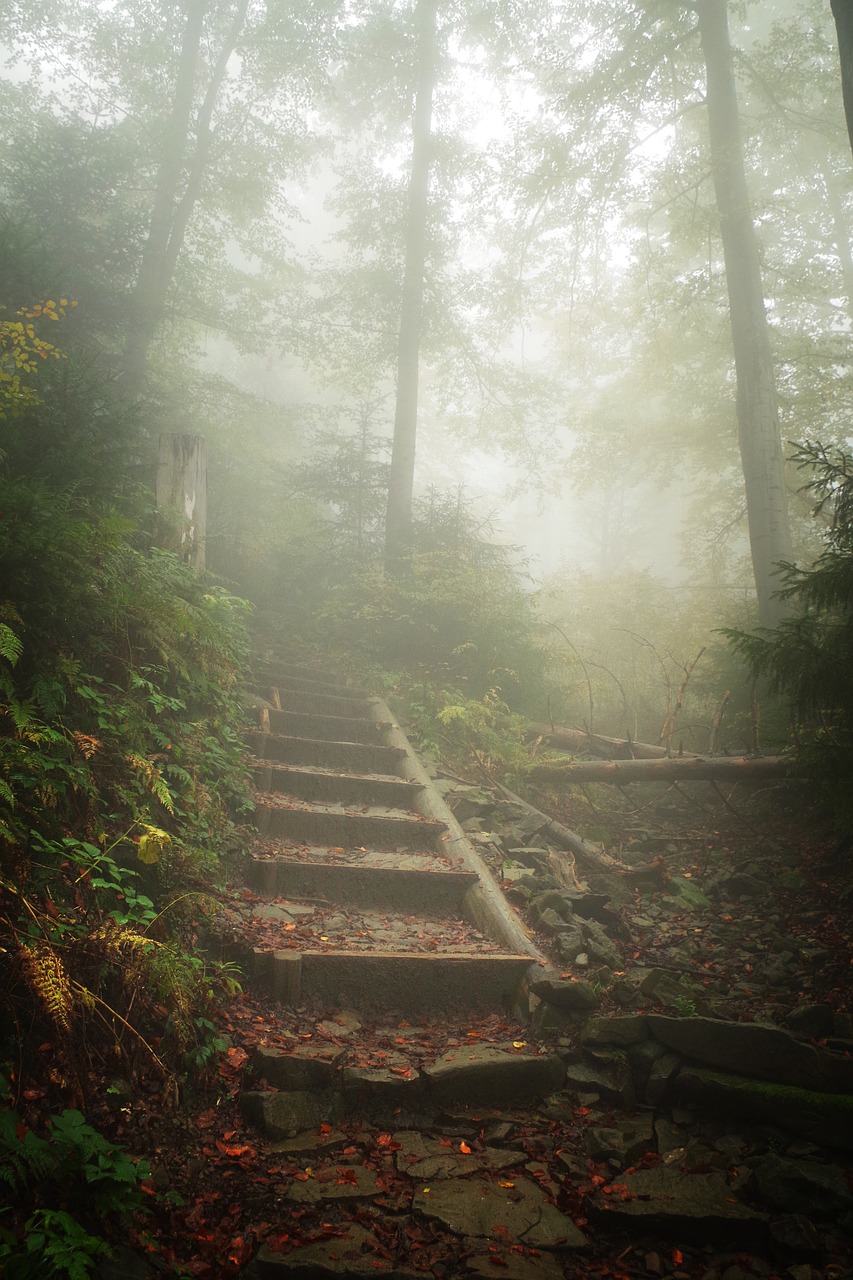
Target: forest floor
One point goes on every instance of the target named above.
(744, 915)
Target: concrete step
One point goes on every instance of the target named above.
(297, 724)
(344, 788)
(319, 704)
(299, 684)
(323, 826)
(413, 983)
(392, 888)
(348, 757)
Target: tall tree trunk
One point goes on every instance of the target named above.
(757, 409)
(398, 522)
(175, 194)
(842, 11)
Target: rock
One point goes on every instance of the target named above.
(484, 1076)
(688, 894)
(338, 1182)
(793, 1236)
(624, 1142)
(825, 1118)
(642, 1058)
(801, 1186)
(551, 923)
(578, 997)
(662, 1071)
(309, 1143)
(475, 1209)
(570, 944)
(685, 998)
(356, 1256)
(626, 1029)
(425, 1159)
(812, 1021)
(695, 1207)
(283, 1115)
(514, 1266)
(553, 900)
(304, 1068)
(738, 884)
(599, 945)
(760, 1051)
(365, 1087)
(613, 1084)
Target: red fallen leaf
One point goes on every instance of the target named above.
(325, 1128)
(242, 1150)
(350, 1151)
(495, 1261)
(677, 1257)
(499, 1230)
(464, 1148)
(384, 1140)
(347, 1177)
(239, 1251)
(402, 1071)
(445, 1142)
(237, 1058)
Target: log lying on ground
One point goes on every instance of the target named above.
(600, 744)
(747, 769)
(587, 854)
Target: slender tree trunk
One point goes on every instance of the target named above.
(842, 11)
(840, 233)
(398, 521)
(757, 410)
(175, 195)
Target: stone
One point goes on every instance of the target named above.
(805, 1186)
(570, 945)
(626, 1029)
(309, 1143)
(553, 900)
(793, 1236)
(694, 1207)
(356, 1256)
(551, 923)
(662, 1071)
(813, 1021)
(283, 1115)
(760, 1051)
(599, 945)
(514, 1266)
(338, 1182)
(304, 1068)
(482, 1076)
(522, 1212)
(665, 990)
(642, 1058)
(425, 1159)
(624, 1142)
(364, 1087)
(612, 1083)
(825, 1118)
(577, 997)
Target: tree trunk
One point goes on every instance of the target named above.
(398, 522)
(757, 410)
(175, 197)
(842, 11)
(746, 769)
(599, 744)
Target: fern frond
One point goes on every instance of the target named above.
(11, 646)
(153, 779)
(46, 975)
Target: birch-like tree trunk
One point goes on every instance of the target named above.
(757, 409)
(398, 522)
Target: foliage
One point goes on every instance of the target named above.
(74, 1167)
(808, 658)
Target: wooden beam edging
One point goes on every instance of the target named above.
(489, 909)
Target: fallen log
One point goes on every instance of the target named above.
(746, 769)
(601, 744)
(587, 854)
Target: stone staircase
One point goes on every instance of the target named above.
(373, 896)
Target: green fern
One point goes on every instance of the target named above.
(24, 1158)
(11, 646)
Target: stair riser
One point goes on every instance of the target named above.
(287, 670)
(322, 704)
(341, 830)
(434, 891)
(337, 788)
(298, 684)
(412, 985)
(348, 757)
(326, 728)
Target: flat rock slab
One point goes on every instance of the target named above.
(480, 1209)
(825, 1118)
(751, 1049)
(485, 1076)
(679, 1205)
(340, 1182)
(427, 1159)
(575, 997)
(380, 1086)
(515, 1266)
(308, 1143)
(355, 1256)
(283, 1115)
(624, 1030)
(303, 1068)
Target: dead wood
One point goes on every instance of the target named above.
(599, 744)
(587, 854)
(746, 769)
